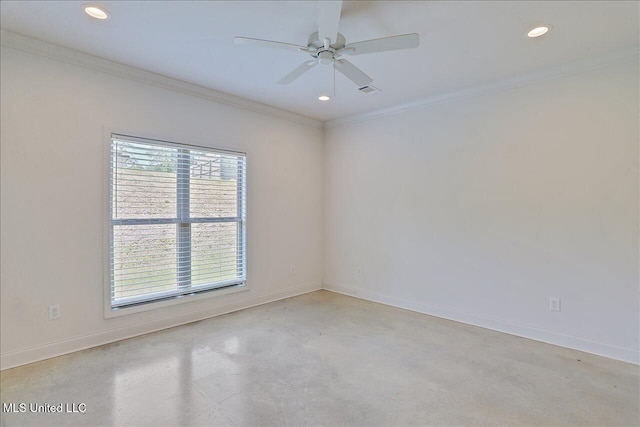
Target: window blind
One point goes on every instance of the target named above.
(177, 220)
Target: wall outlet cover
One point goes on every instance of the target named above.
(54, 312)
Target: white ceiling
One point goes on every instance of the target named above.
(463, 44)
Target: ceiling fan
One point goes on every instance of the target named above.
(326, 46)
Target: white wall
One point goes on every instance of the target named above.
(477, 209)
(53, 171)
(480, 209)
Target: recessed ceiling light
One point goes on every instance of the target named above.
(96, 12)
(539, 31)
(323, 98)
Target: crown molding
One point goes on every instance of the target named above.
(564, 70)
(81, 59)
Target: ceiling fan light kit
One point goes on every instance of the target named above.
(326, 46)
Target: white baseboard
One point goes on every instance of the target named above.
(70, 345)
(619, 353)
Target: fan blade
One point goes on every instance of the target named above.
(329, 19)
(300, 70)
(268, 43)
(405, 41)
(352, 72)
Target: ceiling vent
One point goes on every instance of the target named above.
(368, 89)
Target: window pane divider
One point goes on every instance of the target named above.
(183, 242)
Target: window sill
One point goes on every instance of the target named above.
(153, 305)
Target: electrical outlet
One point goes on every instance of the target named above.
(54, 312)
(554, 304)
(292, 270)
(358, 271)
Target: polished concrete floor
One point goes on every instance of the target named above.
(327, 359)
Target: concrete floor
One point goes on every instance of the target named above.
(324, 358)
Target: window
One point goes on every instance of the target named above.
(177, 220)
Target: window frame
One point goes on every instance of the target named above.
(198, 293)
